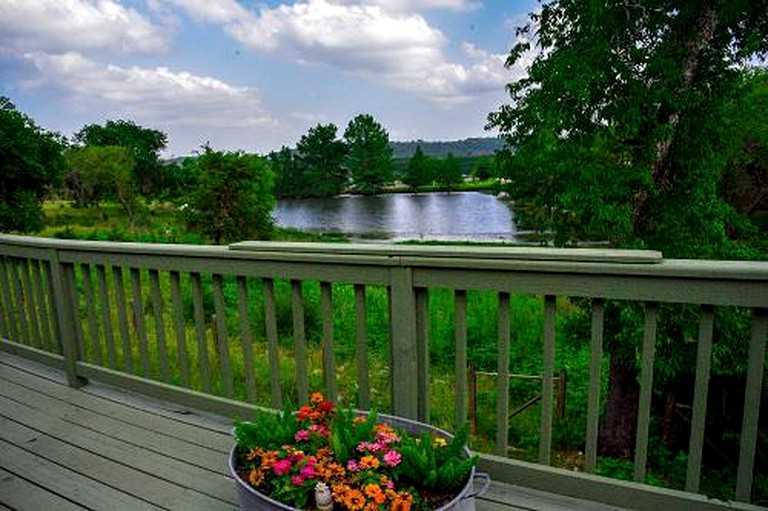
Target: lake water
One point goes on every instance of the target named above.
(470, 216)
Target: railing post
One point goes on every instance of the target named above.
(62, 277)
(405, 388)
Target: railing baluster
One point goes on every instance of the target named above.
(20, 308)
(222, 339)
(179, 327)
(422, 352)
(246, 339)
(646, 386)
(547, 381)
(299, 341)
(93, 324)
(502, 380)
(34, 324)
(74, 303)
(329, 362)
(270, 320)
(5, 281)
(157, 307)
(701, 388)
(361, 351)
(42, 308)
(106, 315)
(460, 306)
(755, 369)
(202, 348)
(52, 307)
(138, 318)
(6, 316)
(122, 318)
(595, 363)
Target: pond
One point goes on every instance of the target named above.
(456, 216)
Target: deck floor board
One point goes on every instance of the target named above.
(103, 448)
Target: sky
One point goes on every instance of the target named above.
(256, 75)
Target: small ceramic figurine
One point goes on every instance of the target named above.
(323, 497)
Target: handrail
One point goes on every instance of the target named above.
(56, 308)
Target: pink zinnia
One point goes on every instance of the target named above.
(301, 435)
(352, 466)
(307, 472)
(282, 467)
(297, 480)
(392, 458)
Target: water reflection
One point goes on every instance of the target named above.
(439, 216)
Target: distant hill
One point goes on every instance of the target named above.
(440, 149)
(467, 148)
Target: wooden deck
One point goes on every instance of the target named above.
(102, 448)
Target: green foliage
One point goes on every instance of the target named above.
(30, 163)
(369, 156)
(614, 127)
(320, 157)
(435, 466)
(448, 173)
(419, 172)
(152, 178)
(233, 199)
(98, 173)
(267, 429)
(289, 181)
(347, 434)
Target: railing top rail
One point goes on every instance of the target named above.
(519, 259)
(593, 255)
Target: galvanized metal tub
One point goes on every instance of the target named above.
(253, 500)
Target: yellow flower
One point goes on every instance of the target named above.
(440, 442)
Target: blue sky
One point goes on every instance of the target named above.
(256, 75)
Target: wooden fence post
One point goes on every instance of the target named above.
(405, 356)
(65, 310)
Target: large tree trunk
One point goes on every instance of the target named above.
(617, 431)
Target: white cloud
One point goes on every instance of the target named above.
(400, 49)
(152, 95)
(417, 5)
(213, 11)
(65, 25)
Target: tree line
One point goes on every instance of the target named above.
(323, 164)
(223, 195)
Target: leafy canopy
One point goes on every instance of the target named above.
(31, 162)
(233, 198)
(615, 131)
(145, 144)
(369, 156)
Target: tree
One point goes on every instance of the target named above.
(152, 178)
(369, 156)
(419, 172)
(102, 173)
(321, 158)
(449, 175)
(289, 179)
(30, 163)
(233, 199)
(616, 136)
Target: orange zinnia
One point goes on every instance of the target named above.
(354, 500)
(374, 491)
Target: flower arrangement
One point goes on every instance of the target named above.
(361, 463)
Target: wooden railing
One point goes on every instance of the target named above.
(177, 322)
